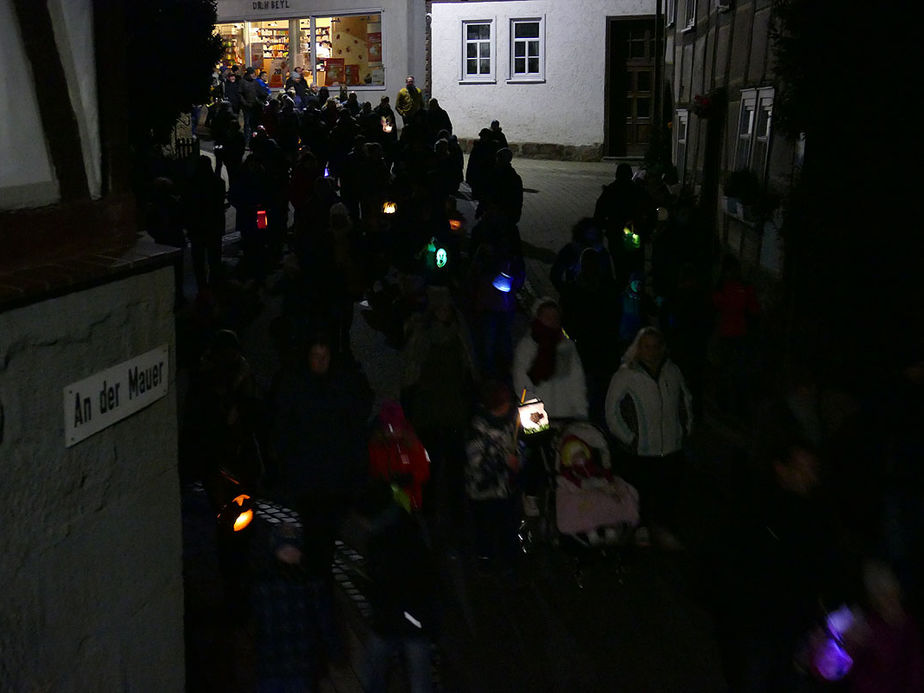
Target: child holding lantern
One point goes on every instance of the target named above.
(490, 477)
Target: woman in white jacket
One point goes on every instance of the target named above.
(546, 364)
(649, 411)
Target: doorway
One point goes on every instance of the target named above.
(630, 85)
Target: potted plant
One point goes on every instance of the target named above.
(710, 104)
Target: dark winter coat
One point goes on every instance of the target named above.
(320, 430)
(248, 92)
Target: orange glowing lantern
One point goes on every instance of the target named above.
(237, 514)
(245, 515)
(389, 208)
(455, 225)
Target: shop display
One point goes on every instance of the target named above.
(344, 50)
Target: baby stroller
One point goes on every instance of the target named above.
(593, 507)
(590, 512)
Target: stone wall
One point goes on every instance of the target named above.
(548, 150)
(91, 534)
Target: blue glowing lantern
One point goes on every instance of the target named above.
(503, 282)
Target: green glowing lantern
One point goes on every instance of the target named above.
(630, 239)
(441, 258)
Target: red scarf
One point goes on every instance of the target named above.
(547, 339)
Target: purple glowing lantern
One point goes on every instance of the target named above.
(829, 658)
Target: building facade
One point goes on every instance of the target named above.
(719, 73)
(90, 499)
(573, 80)
(369, 48)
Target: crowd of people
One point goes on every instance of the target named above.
(625, 345)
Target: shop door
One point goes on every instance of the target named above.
(630, 86)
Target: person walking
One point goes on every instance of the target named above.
(649, 411)
(546, 363)
(205, 222)
(490, 477)
(250, 104)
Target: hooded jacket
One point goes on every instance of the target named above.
(647, 414)
(565, 393)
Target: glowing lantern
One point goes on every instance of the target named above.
(442, 257)
(261, 219)
(238, 513)
(533, 417)
(386, 125)
(455, 225)
(503, 282)
(630, 239)
(829, 658)
(389, 208)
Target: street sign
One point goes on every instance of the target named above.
(97, 402)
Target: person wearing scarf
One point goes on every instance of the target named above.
(546, 364)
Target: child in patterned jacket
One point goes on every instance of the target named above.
(490, 476)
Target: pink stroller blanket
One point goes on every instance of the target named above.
(595, 502)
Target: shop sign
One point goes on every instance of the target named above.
(97, 402)
(271, 5)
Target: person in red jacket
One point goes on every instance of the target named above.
(737, 307)
(397, 455)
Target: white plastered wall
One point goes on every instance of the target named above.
(91, 534)
(27, 177)
(568, 107)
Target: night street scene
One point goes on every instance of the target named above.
(460, 346)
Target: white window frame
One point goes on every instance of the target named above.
(754, 103)
(680, 143)
(689, 21)
(490, 77)
(514, 76)
(670, 12)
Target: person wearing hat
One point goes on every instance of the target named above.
(546, 364)
(297, 82)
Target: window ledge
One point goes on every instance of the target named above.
(477, 81)
(689, 27)
(526, 80)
